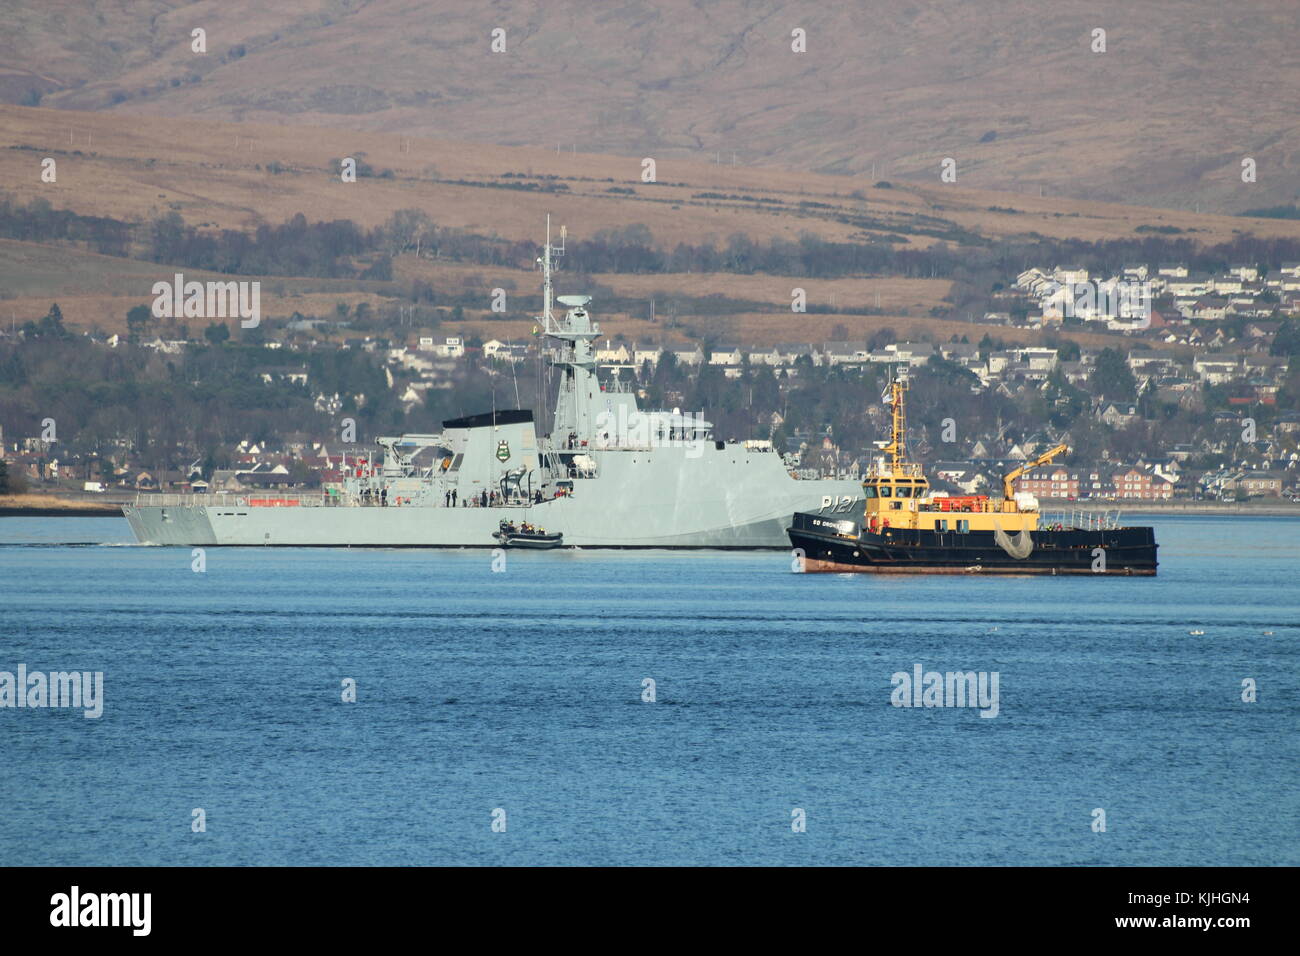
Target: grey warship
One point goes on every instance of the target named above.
(606, 475)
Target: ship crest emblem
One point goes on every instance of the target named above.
(503, 451)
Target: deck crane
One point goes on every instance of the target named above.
(1009, 480)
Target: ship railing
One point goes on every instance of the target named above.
(633, 445)
(512, 502)
(270, 499)
(906, 469)
(964, 507)
(1077, 519)
(801, 473)
(251, 497)
(656, 444)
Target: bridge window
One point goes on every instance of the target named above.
(868, 491)
(885, 491)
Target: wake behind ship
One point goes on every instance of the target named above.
(904, 529)
(606, 475)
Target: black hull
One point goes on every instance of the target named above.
(839, 546)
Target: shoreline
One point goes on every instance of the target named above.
(1270, 508)
(56, 506)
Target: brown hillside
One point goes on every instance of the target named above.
(242, 175)
(1009, 88)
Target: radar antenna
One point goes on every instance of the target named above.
(549, 252)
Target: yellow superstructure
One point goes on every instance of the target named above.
(898, 495)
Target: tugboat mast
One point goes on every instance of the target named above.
(897, 447)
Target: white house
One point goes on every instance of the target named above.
(1187, 285)
(1030, 278)
(998, 361)
(840, 353)
(513, 354)
(1039, 358)
(1230, 282)
(451, 347)
(651, 354)
(691, 356)
(1215, 370)
(1070, 275)
(409, 360)
(787, 353)
(1150, 361)
(729, 355)
(619, 355)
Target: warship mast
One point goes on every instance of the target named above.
(575, 331)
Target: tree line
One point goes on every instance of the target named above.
(341, 248)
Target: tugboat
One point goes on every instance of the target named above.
(527, 536)
(906, 529)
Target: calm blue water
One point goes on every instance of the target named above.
(522, 690)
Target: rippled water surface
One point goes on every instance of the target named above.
(522, 690)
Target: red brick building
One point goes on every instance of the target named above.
(1050, 482)
(1141, 484)
(1057, 481)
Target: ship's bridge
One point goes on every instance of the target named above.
(622, 426)
(898, 480)
(895, 486)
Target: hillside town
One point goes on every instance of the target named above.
(1245, 447)
(1164, 298)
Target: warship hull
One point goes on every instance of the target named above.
(725, 498)
(839, 545)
